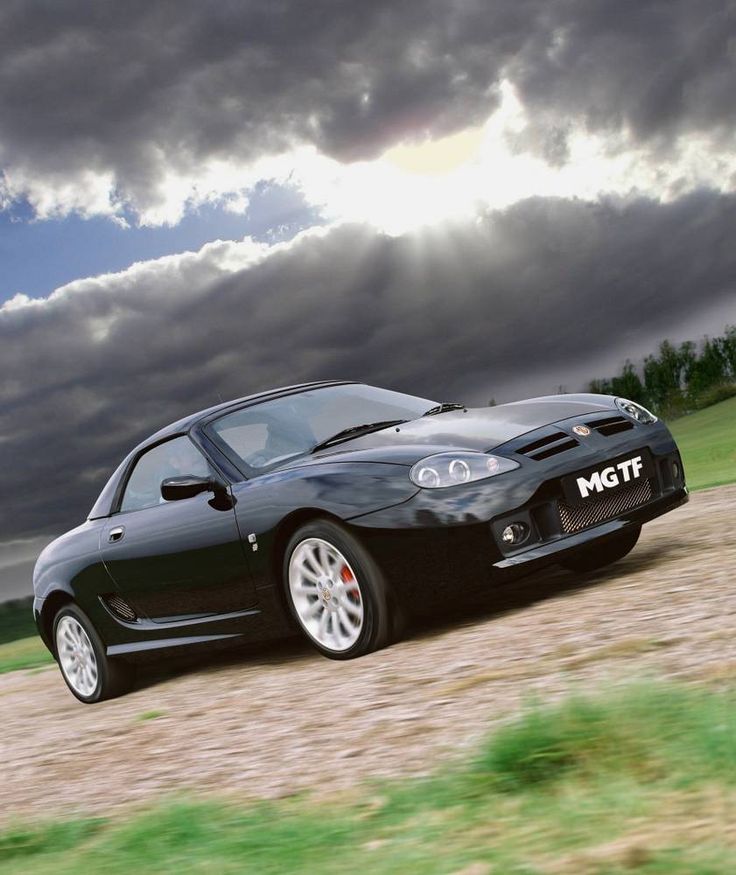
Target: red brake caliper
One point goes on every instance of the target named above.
(346, 575)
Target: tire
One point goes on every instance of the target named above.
(598, 555)
(77, 643)
(336, 592)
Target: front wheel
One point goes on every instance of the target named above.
(335, 591)
(84, 664)
(599, 555)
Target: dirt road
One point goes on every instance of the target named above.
(270, 723)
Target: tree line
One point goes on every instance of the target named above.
(679, 378)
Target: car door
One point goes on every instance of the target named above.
(173, 560)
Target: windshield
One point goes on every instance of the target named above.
(267, 434)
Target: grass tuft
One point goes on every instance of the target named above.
(54, 838)
(646, 731)
(150, 715)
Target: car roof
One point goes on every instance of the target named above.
(181, 426)
(103, 504)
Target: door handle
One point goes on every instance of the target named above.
(116, 534)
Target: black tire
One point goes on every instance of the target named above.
(381, 618)
(114, 676)
(599, 554)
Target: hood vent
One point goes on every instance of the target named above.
(610, 425)
(549, 445)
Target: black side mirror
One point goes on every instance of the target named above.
(177, 488)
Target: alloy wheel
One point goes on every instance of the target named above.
(76, 656)
(326, 594)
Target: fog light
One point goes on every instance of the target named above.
(675, 470)
(515, 533)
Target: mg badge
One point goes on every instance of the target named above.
(582, 430)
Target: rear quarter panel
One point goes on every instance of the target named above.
(72, 565)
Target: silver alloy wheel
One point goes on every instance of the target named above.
(76, 656)
(326, 594)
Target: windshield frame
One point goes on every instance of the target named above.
(206, 428)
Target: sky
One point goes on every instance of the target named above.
(464, 199)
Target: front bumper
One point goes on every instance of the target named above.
(446, 536)
(554, 551)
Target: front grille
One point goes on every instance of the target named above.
(549, 445)
(575, 517)
(610, 425)
(120, 607)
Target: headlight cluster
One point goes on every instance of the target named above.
(452, 469)
(635, 411)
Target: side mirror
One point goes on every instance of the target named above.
(178, 488)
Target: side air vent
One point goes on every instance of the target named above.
(611, 425)
(119, 607)
(549, 445)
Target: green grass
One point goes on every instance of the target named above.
(20, 645)
(641, 779)
(16, 620)
(24, 653)
(707, 441)
(150, 715)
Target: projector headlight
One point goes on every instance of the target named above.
(635, 411)
(452, 469)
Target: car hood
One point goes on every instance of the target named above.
(480, 429)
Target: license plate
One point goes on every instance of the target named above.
(608, 477)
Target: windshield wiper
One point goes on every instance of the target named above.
(442, 408)
(355, 431)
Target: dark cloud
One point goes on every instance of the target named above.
(516, 298)
(135, 89)
(651, 70)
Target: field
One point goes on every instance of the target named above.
(707, 441)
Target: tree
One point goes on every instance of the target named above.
(727, 347)
(600, 387)
(629, 384)
(709, 369)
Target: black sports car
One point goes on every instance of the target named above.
(335, 508)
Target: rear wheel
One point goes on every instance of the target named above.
(599, 555)
(336, 592)
(84, 664)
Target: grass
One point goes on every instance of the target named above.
(639, 779)
(707, 441)
(20, 645)
(150, 715)
(24, 653)
(16, 620)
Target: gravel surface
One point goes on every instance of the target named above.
(272, 722)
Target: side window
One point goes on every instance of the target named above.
(171, 459)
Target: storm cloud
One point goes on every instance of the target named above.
(101, 104)
(514, 297)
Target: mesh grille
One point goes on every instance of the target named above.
(575, 517)
(120, 607)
